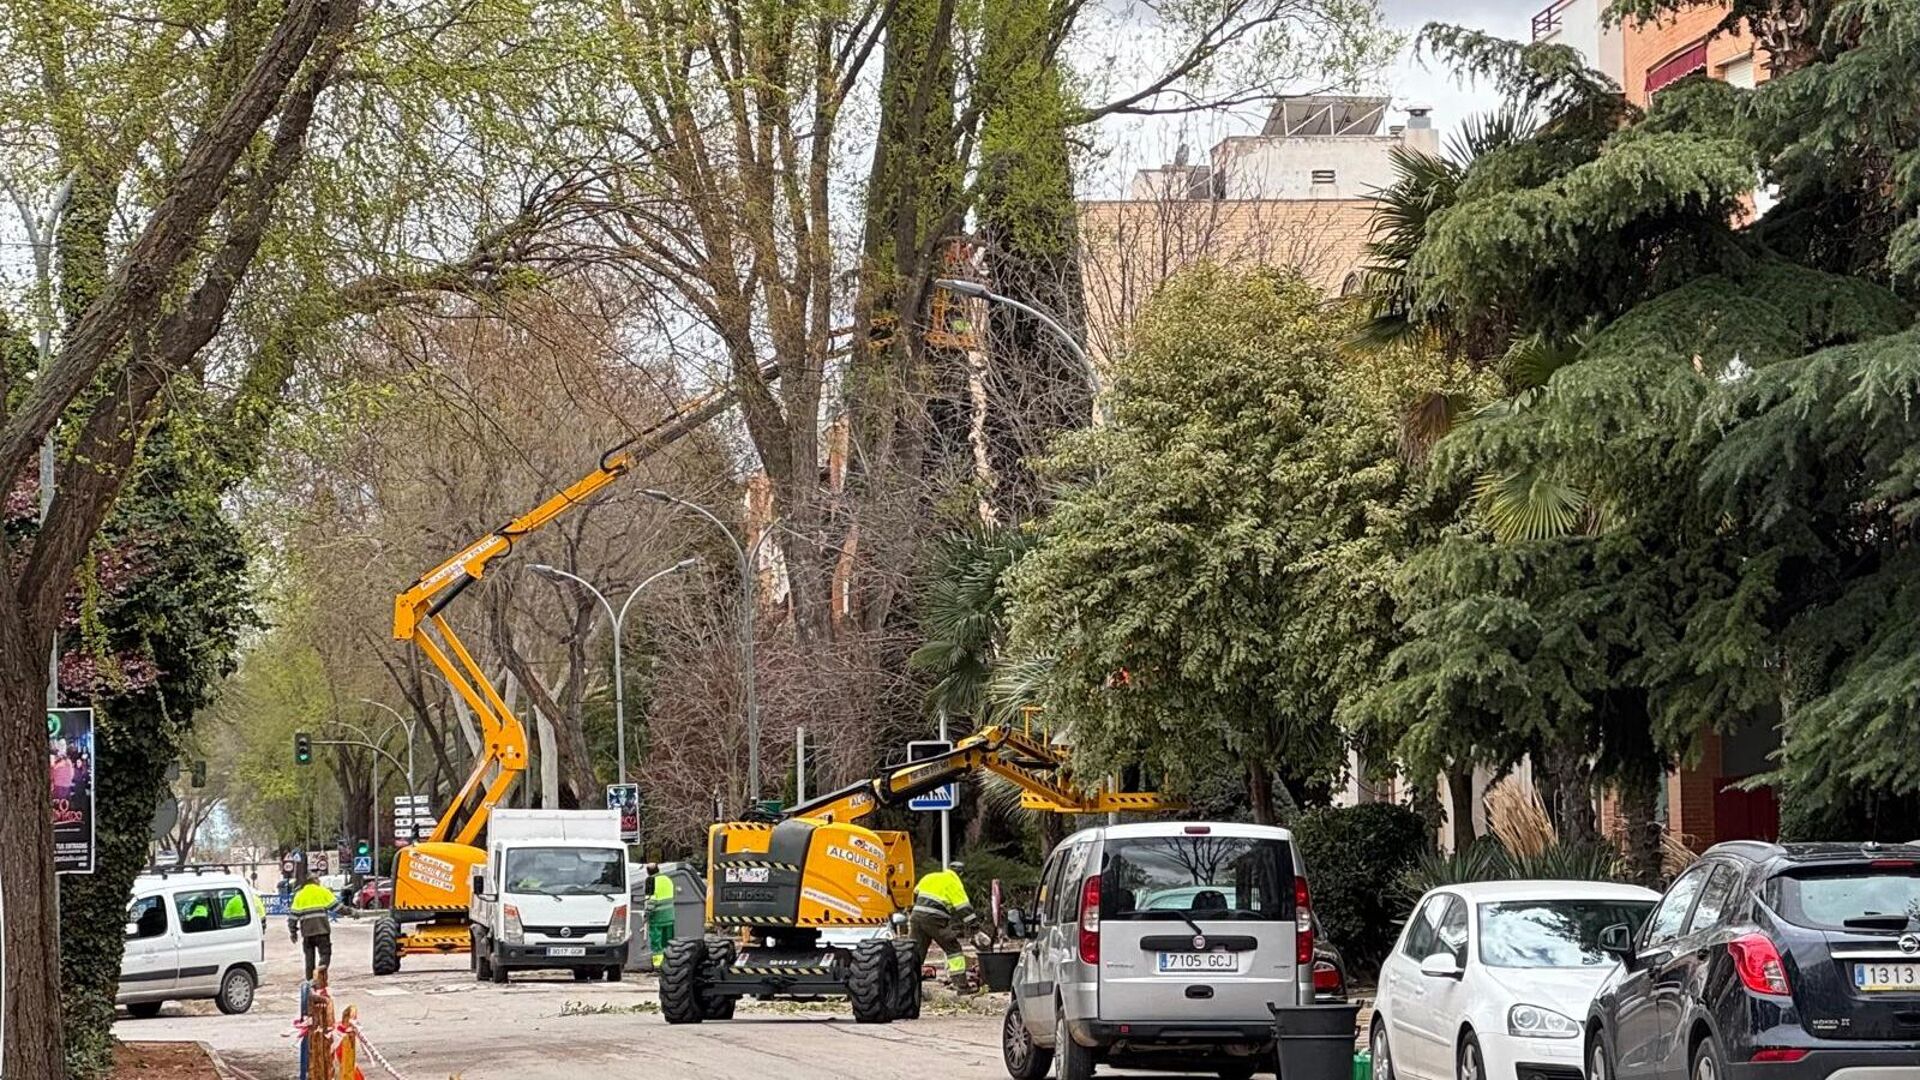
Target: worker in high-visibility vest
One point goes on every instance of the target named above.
(659, 912)
(310, 919)
(941, 912)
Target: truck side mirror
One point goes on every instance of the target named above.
(480, 884)
(1016, 924)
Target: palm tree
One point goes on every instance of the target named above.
(963, 614)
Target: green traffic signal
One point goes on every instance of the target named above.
(361, 848)
(302, 748)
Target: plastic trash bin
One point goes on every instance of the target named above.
(689, 911)
(1316, 1041)
(1363, 1066)
(996, 970)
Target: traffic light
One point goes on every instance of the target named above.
(361, 849)
(199, 774)
(302, 748)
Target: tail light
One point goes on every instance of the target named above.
(617, 925)
(1757, 959)
(1326, 977)
(1781, 1055)
(1090, 921)
(1302, 923)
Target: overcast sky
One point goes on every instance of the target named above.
(1141, 143)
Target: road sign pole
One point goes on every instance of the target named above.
(799, 765)
(946, 850)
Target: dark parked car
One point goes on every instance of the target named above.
(1788, 961)
(1329, 968)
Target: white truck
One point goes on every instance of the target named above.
(553, 893)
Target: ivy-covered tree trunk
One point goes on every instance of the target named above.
(26, 850)
(1460, 806)
(135, 742)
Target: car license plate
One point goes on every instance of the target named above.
(567, 950)
(1199, 961)
(1874, 978)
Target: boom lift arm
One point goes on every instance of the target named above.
(417, 617)
(1025, 757)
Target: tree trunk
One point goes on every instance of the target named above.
(1260, 794)
(34, 1047)
(1460, 806)
(1639, 807)
(1569, 792)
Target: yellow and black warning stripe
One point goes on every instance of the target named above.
(760, 864)
(780, 971)
(748, 826)
(753, 920)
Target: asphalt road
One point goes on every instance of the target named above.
(433, 1021)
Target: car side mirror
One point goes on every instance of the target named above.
(1617, 941)
(1440, 966)
(1017, 927)
(133, 929)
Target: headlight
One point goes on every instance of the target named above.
(510, 930)
(1534, 1022)
(617, 925)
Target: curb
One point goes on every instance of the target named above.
(220, 1066)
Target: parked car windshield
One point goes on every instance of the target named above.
(566, 871)
(1189, 877)
(1553, 933)
(1855, 898)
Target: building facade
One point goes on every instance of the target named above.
(1298, 194)
(1645, 58)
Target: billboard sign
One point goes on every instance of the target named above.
(70, 761)
(626, 799)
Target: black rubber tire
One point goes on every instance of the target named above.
(614, 973)
(1071, 1060)
(583, 974)
(1707, 1063)
(236, 991)
(482, 962)
(496, 971)
(1380, 1049)
(1599, 1059)
(870, 982)
(1470, 1063)
(1240, 1070)
(718, 958)
(680, 971)
(386, 946)
(1024, 1058)
(144, 1010)
(906, 980)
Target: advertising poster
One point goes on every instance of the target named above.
(626, 799)
(70, 760)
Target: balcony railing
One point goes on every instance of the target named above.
(1549, 21)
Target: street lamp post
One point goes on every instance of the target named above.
(405, 722)
(746, 633)
(619, 619)
(981, 292)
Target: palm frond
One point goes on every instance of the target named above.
(1528, 504)
(1428, 420)
(1483, 133)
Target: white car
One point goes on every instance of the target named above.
(1489, 980)
(192, 933)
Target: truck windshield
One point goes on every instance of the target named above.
(563, 871)
(1188, 877)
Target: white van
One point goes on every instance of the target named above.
(192, 933)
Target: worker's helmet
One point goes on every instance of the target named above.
(956, 866)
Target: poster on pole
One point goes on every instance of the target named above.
(626, 799)
(70, 759)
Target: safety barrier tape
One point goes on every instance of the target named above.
(780, 971)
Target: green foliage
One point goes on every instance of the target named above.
(963, 616)
(1487, 860)
(184, 613)
(1218, 580)
(1356, 856)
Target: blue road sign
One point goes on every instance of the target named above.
(363, 864)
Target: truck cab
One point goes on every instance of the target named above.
(552, 893)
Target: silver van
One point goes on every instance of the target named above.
(1160, 946)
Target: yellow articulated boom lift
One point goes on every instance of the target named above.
(433, 879)
(778, 884)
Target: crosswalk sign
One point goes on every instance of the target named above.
(363, 864)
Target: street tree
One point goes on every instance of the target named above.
(1216, 577)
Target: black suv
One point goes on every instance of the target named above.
(1763, 961)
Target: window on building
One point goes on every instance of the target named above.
(1323, 176)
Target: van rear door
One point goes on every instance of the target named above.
(1197, 926)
